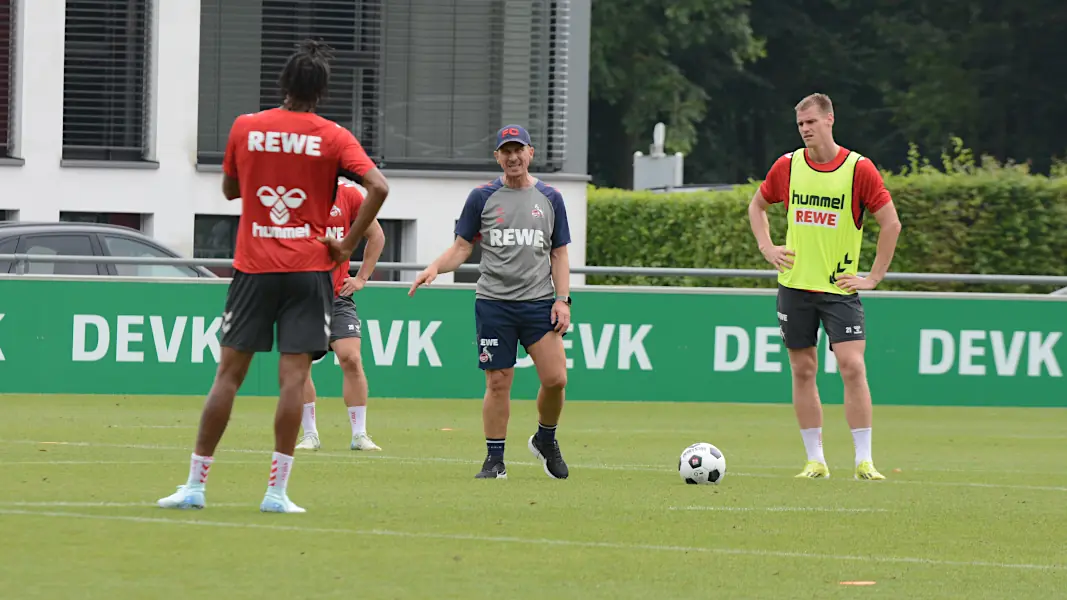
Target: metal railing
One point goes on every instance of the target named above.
(22, 260)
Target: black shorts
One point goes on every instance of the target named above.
(345, 323)
(800, 312)
(502, 325)
(298, 304)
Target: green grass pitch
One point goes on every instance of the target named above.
(974, 506)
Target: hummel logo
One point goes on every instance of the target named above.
(281, 200)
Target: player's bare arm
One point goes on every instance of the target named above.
(778, 256)
(888, 234)
(231, 187)
(449, 261)
(561, 280)
(371, 253)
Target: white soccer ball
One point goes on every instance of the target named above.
(702, 463)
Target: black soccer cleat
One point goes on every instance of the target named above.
(492, 468)
(549, 455)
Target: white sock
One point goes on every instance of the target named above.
(309, 420)
(358, 416)
(813, 443)
(862, 439)
(198, 469)
(280, 468)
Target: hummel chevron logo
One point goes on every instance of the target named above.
(1, 350)
(840, 269)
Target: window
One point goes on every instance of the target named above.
(7, 75)
(215, 236)
(9, 215)
(131, 220)
(239, 70)
(61, 245)
(105, 80)
(412, 79)
(120, 246)
(7, 247)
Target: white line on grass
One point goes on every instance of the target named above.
(780, 509)
(101, 504)
(363, 456)
(607, 467)
(540, 541)
(48, 463)
(1013, 472)
(53, 504)
(151, 427)
(6, 463)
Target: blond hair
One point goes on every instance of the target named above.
(820, 100)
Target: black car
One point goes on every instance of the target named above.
(87, 239)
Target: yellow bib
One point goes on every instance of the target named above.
(821, 229)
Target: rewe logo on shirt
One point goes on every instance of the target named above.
(284, 142)
(822, 218)
(516, 237)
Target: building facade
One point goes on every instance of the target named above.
(118, 110)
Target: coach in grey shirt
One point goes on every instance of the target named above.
(522, 295)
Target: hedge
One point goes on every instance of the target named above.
(966, 218)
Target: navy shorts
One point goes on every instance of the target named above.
(502, 325)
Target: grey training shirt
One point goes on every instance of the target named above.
(517, 228)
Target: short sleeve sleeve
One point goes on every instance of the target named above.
(229, 157)
(351, 197)
(561, 228)
(469, 224)
(870, 187)
(353, 158)
(775, 188)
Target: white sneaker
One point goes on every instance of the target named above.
(362, 441)
(310, 441)
(187, 496)
(279, 503)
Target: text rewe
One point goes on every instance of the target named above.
(822, 218)
(516, 237)
(284, 142)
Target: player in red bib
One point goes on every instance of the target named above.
(345, 327)
(283, 164)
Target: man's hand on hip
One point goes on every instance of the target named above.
(853, 283)
(779, 257)
(352, 285)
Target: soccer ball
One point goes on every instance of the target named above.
(702, 463)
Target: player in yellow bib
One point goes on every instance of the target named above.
(827, 190)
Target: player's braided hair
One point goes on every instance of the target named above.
(307, 74)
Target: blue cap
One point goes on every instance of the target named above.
(512, 133)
